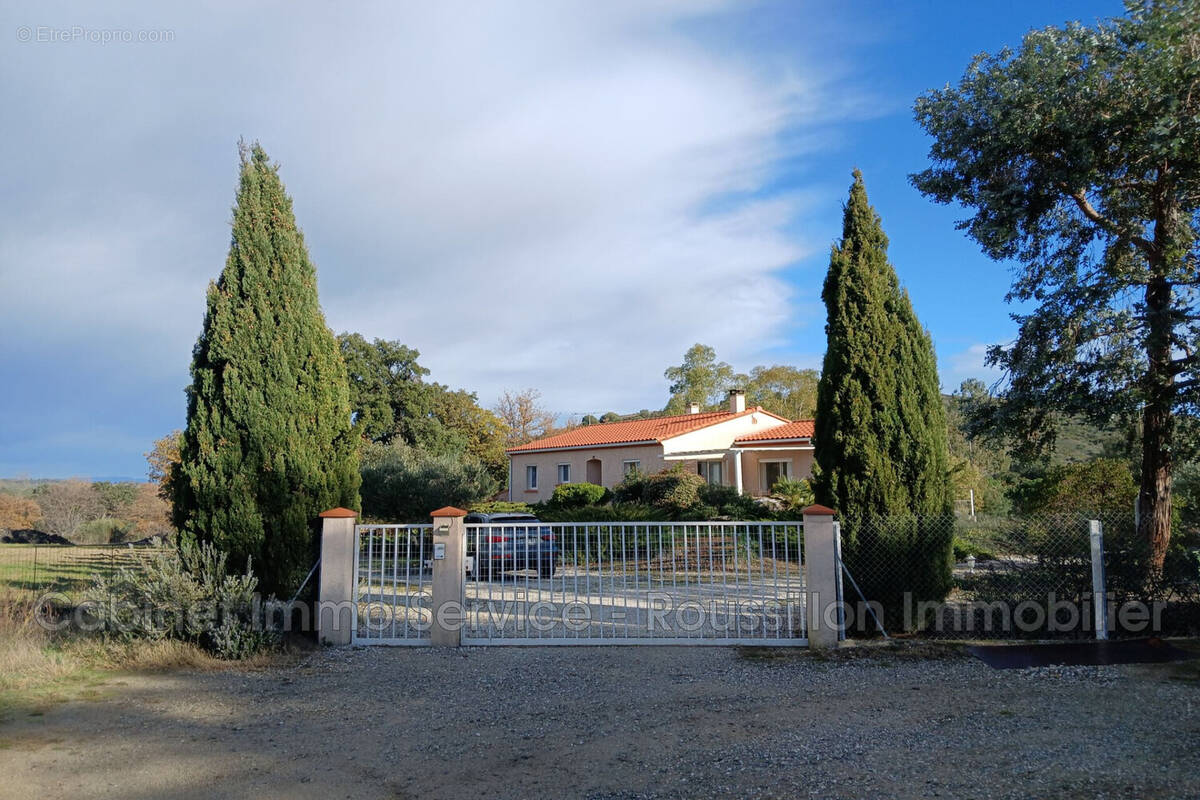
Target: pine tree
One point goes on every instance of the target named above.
(880, 443)
(268, 443)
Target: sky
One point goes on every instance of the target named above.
(559, 195)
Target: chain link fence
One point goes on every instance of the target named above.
(962, 577)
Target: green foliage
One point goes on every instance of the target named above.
(501, 507)
(631, 489)
(577, 495)
(1078, 155)
(616, 512)
(890, 557)
(268, 443)
(115, 497)
(1097, 487)
(391, 401)
(699, 379)
(678, 494)
(104, 530)
(967, 545)
(795, 494)
(188, 595)
(403, 484)
(675, 489)
(787, 391)
(880, 443)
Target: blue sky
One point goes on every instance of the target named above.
(557, 195)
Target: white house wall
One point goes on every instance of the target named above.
(720, 436)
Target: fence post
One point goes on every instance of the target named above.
(449, 571)
(820, 576)
(337, 609)
(1099, 598)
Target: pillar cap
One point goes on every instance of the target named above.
(448, 511)
(816, 510)
(338, 513)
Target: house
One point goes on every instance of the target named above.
(747, 448)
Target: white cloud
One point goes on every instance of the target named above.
(561, 195)
(968, 363)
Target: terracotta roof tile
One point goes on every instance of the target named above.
(630, 431)
(800, 429)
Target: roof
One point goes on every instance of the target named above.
(637, 431)
(800, 429)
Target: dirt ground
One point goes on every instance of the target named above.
(619, 722)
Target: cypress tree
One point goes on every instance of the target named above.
(268, 443)
(880, 443)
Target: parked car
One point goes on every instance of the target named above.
(510, 541)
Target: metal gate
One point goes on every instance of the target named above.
(393, 591)
(700, 583)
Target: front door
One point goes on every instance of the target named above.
(594, 473)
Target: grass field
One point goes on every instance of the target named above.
(33, 570)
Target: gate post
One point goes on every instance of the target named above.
(449, 572)
(336, 612)
(821, 576)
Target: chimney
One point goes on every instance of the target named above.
(693, 408)
(737, 400)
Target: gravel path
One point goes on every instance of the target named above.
(635, 722)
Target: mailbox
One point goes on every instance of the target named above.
(439, 551)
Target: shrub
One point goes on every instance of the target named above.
(577, 495)
(105, 530)
(501, 507)
(631, 489)
(794, 494)
(892, 556)
(617, 512)
(674, 490)
(188, 595)
(403, 484)
(967, 545)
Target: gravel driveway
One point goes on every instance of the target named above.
(627, 722)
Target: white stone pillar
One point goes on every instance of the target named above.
(820, 577)
(336, 613)
(737, 469)
(449, 571)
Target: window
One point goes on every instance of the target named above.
(711, 471)
(564, 473)
(772, 471)
(630, 466)
(531, 477)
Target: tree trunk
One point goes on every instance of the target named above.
(1158, 427)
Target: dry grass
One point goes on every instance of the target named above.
(39, 668)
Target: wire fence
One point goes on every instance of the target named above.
(64, 571)
(963, 577)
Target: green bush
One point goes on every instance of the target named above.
(617, 512)
(501, 507)
(104, 530)
(675, 490)
(631, 489)
(794, 494)
(188, 595)
(890, 557)
(403, 484)
(577, 495)
(967, 545)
